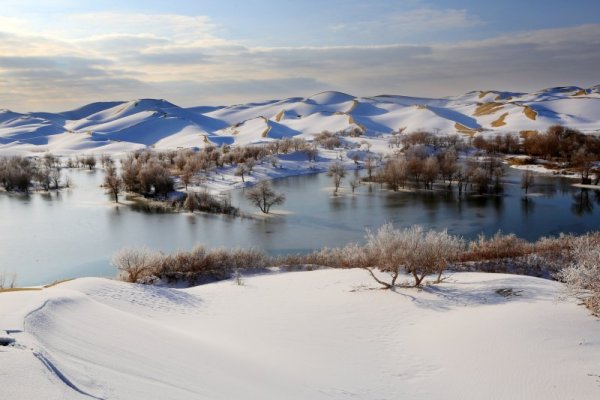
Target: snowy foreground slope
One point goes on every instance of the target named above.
(112, 127)
(306, 335)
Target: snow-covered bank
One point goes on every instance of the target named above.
(302, 335)
(287, 165)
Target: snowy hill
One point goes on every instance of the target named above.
(304, 335)
(122, 126)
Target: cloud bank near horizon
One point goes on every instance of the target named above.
(86, 57)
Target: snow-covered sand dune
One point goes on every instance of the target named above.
(122, 126)
(324, 334)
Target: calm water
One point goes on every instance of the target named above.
(73, 233)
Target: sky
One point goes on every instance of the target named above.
(61, 54)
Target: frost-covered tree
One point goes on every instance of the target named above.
(582, 276)
(417, 252)
(526, 180)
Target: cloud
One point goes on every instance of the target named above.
(184, 60)
(412, 22)
(432, 19)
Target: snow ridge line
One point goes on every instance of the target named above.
(54, 370)
(50, 366)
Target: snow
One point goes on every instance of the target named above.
(326, 334)
(163, 125)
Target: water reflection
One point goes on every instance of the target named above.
(527, 206)
(583, 202)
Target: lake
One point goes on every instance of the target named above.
(73, 233)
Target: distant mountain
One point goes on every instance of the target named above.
(124, 126)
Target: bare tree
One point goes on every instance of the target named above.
(43, 177)
(337, 172)
(90, 162)
(430, 171)
(187, 175)
(370, 164)
(311, 153)
(106, 160)
(55, 177)
(241, 170)
(394, 173)
(527, 180)
(191, 202)
(584, 161)
(354, 183)
(264, 197)
(113, 182)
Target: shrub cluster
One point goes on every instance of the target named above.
(145, 173)
(389, 252)
(141, 265)
(206, 202)
(328, 140)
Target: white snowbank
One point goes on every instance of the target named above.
(306, 335)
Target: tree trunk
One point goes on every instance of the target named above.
(384, 284)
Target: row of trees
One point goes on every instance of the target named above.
(558, 143)
(22, 174)
(417, 167)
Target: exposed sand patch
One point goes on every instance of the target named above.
(464, 130)
(530, 113)
(265, 133)
(500, 121)
(487, 108)
(279, 115)
(353, 106)
(18, 289)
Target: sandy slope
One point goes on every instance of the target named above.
(305, 335)
(121, 126)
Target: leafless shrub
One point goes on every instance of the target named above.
(206, 202)
(497, 247)
(135, 263)
(328, 140)
(8, 281)
(141, 265)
